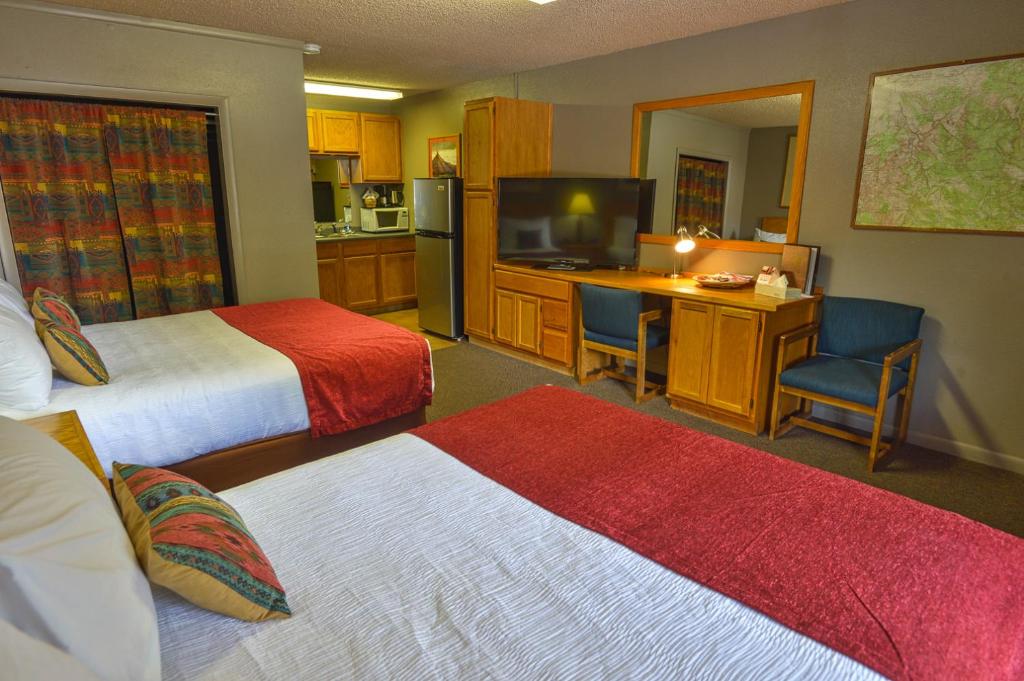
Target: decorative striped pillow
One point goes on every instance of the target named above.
(50, 308)
(73, 355)
(193, 543)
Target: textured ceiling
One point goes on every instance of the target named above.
(766, 112)
(429, 44)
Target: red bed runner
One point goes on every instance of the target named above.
(907, 589)
(355, 370)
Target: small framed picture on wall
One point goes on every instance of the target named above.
(443, 156)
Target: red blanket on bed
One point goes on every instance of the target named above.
(909, 590)
(355, 370)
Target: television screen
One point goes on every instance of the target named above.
(587, 221)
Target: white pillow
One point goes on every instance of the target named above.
(25, 372)
(770, 237)
(68, 573)
(11, 299)
(24, 658)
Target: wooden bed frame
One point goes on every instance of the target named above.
(235, 465)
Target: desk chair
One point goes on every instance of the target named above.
(862, 353)
(614, 324)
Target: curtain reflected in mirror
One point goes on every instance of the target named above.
(700, 194)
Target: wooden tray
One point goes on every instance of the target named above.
(706, 281)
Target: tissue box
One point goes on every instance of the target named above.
(776, 291)
(775, 285)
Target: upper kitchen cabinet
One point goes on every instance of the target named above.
(376, 139)
(381, 148)
(340, 132)
(313, 128)
(332, 132)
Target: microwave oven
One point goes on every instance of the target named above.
(384, 219)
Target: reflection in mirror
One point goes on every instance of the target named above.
(727, 166)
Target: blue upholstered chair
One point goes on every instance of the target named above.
(614, 326)
(862, 353)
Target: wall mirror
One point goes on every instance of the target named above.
(732, 162)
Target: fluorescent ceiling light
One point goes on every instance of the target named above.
(315, 88)
(541, 2)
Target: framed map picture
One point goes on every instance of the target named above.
(443, 154)
(943, 149)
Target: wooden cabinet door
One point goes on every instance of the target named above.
(733, 359)
(362, 284)
(478, 146)
(381, 148)
(689, 349)
(478, 254)
(528, 323)
(340, 132)
(505, 317)
(313, 137)
(397, 278)
(327, 271)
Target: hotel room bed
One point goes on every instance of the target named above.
(189, 384)
(462, 550)
(400, 562)
(547, 535)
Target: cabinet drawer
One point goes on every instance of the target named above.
(555, 346)
(366, 247)
(555, 314)
(538, 286)
(327, 251)
(398, 244)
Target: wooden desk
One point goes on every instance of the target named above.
(65, 428)
(721, 347)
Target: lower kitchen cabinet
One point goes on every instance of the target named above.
(368, 275)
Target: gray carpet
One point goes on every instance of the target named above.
(469, 375)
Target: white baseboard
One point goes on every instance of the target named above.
(940, 444)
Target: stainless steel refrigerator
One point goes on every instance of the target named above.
(437, 211)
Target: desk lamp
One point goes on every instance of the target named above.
(684, 244)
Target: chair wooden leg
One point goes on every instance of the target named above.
(876, 432)
(641, 374)
(907, 402)
(776, 398)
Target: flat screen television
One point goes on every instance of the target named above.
(572, 222)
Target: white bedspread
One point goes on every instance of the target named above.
(181, 386)
(400, 562)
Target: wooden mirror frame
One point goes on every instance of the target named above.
(805, 89)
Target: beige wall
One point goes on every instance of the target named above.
(766, 165)
(968, 399)
(261, 90)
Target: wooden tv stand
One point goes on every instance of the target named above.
(722, 342)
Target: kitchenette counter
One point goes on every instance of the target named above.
(358, 234)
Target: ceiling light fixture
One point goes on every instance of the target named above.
(310, 48)
(315, 88)
(541, 2)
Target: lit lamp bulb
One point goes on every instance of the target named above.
(685, 245)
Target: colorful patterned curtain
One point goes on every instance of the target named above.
(700, 195)
(60, 205)
(161, 176)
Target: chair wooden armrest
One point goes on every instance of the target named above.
(650, 316)
(798, 334)
(902, 352)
